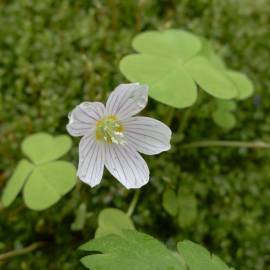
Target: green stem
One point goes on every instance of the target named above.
(188, 112)
(21, 251)
(170, 115)
(184, 120)
(133, 203)
(218, 143)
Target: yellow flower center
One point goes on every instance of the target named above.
(110, 130)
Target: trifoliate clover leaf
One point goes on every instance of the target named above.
(198, 258)
(45, 180)
(223, 114)
(42, 147)
(113, 221)
(130, 250)
(171, 64)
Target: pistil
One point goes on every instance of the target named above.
(110, 130)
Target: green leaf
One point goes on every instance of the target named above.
(198, 258)
(208, 52)
(42, 147)
(170, 202)
(187, 209)
(167, 79)
(131, 250)
(224, 119)
(223, 115)
(171, 63)
(170, 43)
(45, 182)
(243, 83)
(210, 79)
(48, 183)
(16, 182)
(113, 221)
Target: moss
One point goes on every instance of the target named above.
(55, 54)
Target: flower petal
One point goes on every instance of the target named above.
(91, 160)
(147, 135)
(127, 100)
(84, 117)
(126, 165)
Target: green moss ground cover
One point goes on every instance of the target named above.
(54, 54)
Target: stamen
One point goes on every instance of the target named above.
(110, 130)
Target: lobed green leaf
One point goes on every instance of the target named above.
(129, 250)
(172, 62)
(170, 43)
(211, 79)
(48, 183)
(223, 115)
(113, 221)
(198, 258)
(243, 84)
(42, 147)
(16, 182)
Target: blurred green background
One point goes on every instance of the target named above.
(55, 54)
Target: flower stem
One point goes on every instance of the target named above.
(133, 203)
(218, 143)
(21, 251)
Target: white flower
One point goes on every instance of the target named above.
(113, 136)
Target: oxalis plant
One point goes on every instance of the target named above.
(173, 67)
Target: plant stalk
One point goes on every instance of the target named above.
(133, 203)
(219, 143)
(21, 251)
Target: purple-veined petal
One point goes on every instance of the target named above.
(126, 165)
(127, 100)
(91, 160)
(84, 117)
(147, 135)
